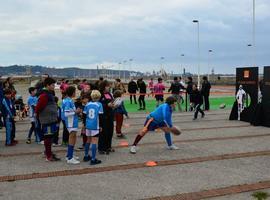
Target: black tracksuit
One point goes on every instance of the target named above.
(205, 93)
(132, 89)
(197, 99)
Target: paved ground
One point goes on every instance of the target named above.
(218, 159)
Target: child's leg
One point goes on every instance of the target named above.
(119, 122)
(71, 144)
(94, 141)
(197, 107)
(65, 133)
(168, 136)
(8, 131)
(47, 141)
(135, 100)
(130, 98)
(140, 136)
(31, 130)
(87, 146)
(13, 131)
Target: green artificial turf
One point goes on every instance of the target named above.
(151, 104)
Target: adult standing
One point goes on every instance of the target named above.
(175, 88)
(189, 91)
(40, 84)
(142, 90)
(118, 85)
(132, 89)
(205, 91)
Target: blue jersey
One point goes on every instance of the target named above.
(32, 102)
(92, 111)
(68, 112)
(162, 114)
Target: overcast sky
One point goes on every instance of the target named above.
(87, 33)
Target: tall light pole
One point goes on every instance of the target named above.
(161, 59)
(253, 36)
(181, 64)
(250, 52)
(208, 76)
(198, 26)
(130, 68)
(124, 62)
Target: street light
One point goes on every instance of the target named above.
(253, 35)
(161, 58)
(182, 55)
(209, 51)
(130, 60)
(250, 52)
(198, 23)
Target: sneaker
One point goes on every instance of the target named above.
(73, 161)
(41, 142)
(95, 162)
(172, 147)
(194, 119)
(86, 158)
(203, 115)
(140, 109)
(28, 141)
(15, 141)
(56, 145)
(53, 158)
(64, 144)
(75, 157)
(132, 149)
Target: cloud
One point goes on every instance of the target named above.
(83, 32)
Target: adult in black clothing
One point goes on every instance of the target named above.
(106, 119)
(175, 88)
(132, 89)
(197, 101)
(189, 90)
(142, 90)
(206, 86)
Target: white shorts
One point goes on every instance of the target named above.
(72, 130)
(91, 132)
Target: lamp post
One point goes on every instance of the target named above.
(253, 35)
(124, 62)
(250, 52)
(198, 27)
(181, 62)
(161, 66)
(208, 73)
(130, 68)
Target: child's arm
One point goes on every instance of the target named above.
(124, 109)
(42, 102)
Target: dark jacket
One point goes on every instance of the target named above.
(141, 86)
(196, 97)
(189, 87)
(8, 108)
(176, 87)
(205, 88)
(46, 108)
(132, 87)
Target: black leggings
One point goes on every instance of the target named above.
(134, 97)
(142, 101)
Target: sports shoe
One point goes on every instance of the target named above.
(172, 147)
(203, 115)
(52, 159)
(56, 145)
(86, 158)
(95, 162)
(132, 149)
(41, 142)
(73, 161)
(76, 157)
(28, 141)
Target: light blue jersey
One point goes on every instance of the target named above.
(32, 102)
(68, 112)
(162, 114)
(92, 111)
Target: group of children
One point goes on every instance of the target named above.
(97, 109)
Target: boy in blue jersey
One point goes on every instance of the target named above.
(70, 114)
(161, 118)
(92, 110)
(32, 102)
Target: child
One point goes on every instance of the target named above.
(119, 112)
(65, 131)
(56, 135)
(71, 120)
(32, 102)
(8, 112)
(46, 113)
(106, 134)
(158, 90)
(159, 118)
(197, 100)
(92, 110)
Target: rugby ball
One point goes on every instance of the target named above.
(117, 102)
(175, 130)
(222, 106)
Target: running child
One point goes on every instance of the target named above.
(92, 110)
(161, 118)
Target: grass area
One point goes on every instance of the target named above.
(151, 104)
